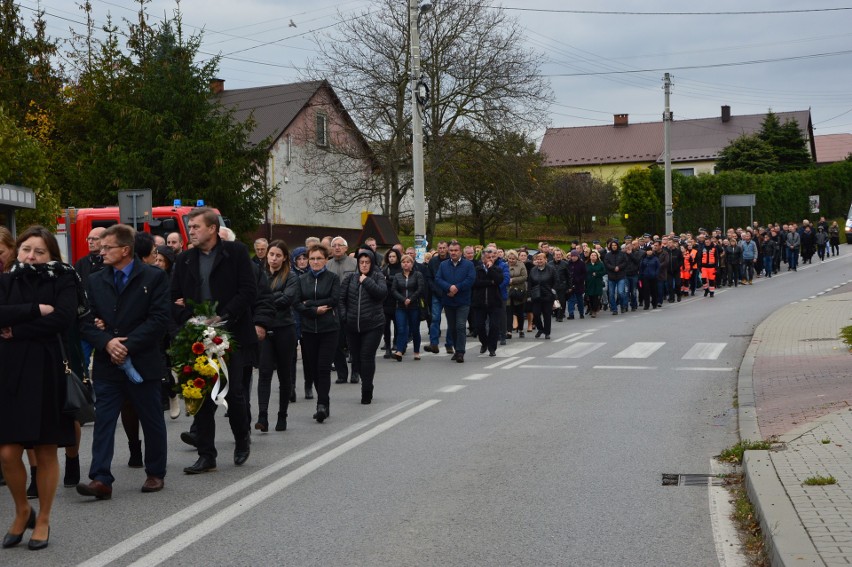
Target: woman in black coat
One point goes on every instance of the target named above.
(408, 288)
(316, 299)
(362, 299)
(391, 268)
(278, 350)
(38, 303)
(542, 280)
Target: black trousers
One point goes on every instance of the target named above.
(542, 312)
(318, 350)
(277, 353)
(205, 421)
(340, 364)
(648, 292)
(488, 325)
(363, 347)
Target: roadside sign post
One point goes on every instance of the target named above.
(134, 206)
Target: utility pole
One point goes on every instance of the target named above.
(415, 8)
(667, 155)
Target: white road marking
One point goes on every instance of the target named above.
(181, 539)
(176, 522)
(452, 389)
(639, 350)
(725, 534)
(577, 350)
(544, 366)
(476, 377)
(704, 351)
(501, 363)
(579, 337)
(566, 337)
(704, 369)
(513, 350)
(518, 362)
(603, 367)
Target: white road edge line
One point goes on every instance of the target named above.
(725, 534)
(704, 369)
(169, 524)
(602, 367)
(544, 366)
(219, 519)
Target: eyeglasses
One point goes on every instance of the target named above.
(107, 248)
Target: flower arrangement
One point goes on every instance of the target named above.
(199, 354)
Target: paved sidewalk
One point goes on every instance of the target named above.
(795, 385)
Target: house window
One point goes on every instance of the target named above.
(322, 130)
(686, 171)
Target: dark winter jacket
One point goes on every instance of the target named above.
(486, 286)
(562, 270)
(460, 275)
(634, 258)
(578, 276)
(615, 259)
(412, 287)
(649, 267)
(361, 304)
(313, 291)
(284, 297)
(542, 282)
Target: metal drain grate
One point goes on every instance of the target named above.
(671, 479)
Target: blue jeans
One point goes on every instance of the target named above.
(793, 258)
(575, 299)
(457, 326)
(767, 265)
(632, 289)
(407, 320)
(617, 294)
(435, 326)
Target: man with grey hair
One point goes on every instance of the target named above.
(341, 264)
(261, 245)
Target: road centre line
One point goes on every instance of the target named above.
(452, 389)
(177, 521)
(476, 377)
(546, 367)
(705, 369)
(188, 537)
(518, 362)
(603, 367)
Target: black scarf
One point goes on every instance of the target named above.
(52, 271)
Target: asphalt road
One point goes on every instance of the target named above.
(550, 454)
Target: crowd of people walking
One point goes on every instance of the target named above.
(119, 306)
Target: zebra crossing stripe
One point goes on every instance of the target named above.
(577, 350)
(639, 350)
(704, 351)
(518, 362)
(501, 363)
(452, 389)
(476, 377)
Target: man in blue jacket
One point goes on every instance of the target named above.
(455, 279)
(437, 300)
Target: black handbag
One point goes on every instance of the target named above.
(79, 399)
(517, 293)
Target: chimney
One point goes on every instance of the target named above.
(726, 113)
(217, 85)
(619, 120)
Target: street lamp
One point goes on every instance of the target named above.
(419, 97)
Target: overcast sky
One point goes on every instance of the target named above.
(599, 64)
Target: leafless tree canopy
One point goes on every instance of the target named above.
(482, 80)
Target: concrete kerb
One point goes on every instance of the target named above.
(787, 541)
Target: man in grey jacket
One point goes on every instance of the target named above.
(793, 243)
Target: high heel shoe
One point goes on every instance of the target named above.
(36, 544)
(11, 540)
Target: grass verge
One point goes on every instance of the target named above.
(734, 454)
(749, 525)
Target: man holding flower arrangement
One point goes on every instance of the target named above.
(217, 272)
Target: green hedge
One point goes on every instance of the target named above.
(697, 200)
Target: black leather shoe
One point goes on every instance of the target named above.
(36, 544)
(340, 381)
(242, 451)
(189, 439)
(202, 465)
(355, 378)
(482, 349)
(309, 393)
(322, 413)
(459, 357)
(11, 540)
(281, 425)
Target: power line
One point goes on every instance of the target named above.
(708, 66)
(626, 13)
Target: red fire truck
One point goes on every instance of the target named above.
(75, 224)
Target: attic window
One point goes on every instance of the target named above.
(322, 130)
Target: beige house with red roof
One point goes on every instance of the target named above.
(609, 152)
(314, 147)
